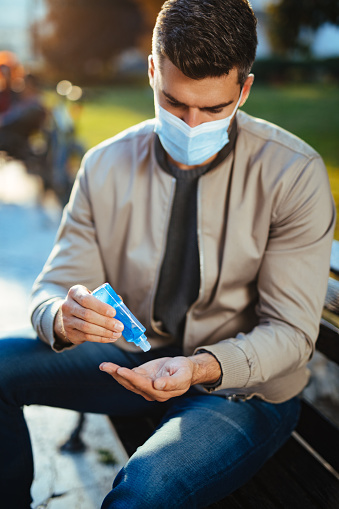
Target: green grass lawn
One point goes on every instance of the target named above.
(309, 111)
(108, 112)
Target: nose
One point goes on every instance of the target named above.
(192, 117)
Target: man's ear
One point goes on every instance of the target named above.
(246, 89)
(151, 71)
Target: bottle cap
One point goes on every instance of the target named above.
(143, 343)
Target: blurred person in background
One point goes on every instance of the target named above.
(216, 228)
(44, 140)
(22, 115)
(11, 80)
(8, 97)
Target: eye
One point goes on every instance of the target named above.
(173, 103)
(214, 110)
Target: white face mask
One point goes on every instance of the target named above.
(192, 145)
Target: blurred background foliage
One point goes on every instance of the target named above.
(81, 39)
(290, 19)
(102, 47)
(84, 39)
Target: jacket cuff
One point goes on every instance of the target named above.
(234, 365)
(47, 321)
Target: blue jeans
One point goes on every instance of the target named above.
(204, 448)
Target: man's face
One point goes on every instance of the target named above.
(195, 101)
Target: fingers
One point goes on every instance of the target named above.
(139, 381)
(86, 331)
(126, 377)
(85, 318)
(160, 384)
(85, 299)
(112, 369)
(89, 316)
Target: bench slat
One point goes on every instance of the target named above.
(335, 257)
(282, 488)
(320, 433)
(250, 496)
(320, 484)
(328, 341)
(275, 486)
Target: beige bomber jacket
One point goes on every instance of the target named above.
(265, 227)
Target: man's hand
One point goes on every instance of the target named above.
(82, 317)
(165, 378)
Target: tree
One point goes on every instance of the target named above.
(150, 10)
(79, 38)
(288, 18)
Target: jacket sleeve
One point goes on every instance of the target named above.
(75, 259)
(291, 284)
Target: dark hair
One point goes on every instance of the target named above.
(207, 38)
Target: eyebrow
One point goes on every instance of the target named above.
(179, 103)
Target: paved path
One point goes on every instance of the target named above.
(27, 232)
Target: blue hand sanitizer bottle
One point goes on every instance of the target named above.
(133, 330)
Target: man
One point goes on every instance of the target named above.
(216, 230)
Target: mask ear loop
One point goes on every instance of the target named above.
(237, 105)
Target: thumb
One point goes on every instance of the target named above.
(161, 384)
(109, 367)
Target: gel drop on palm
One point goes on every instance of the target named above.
(133, 330)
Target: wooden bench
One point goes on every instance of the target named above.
(304, 473)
